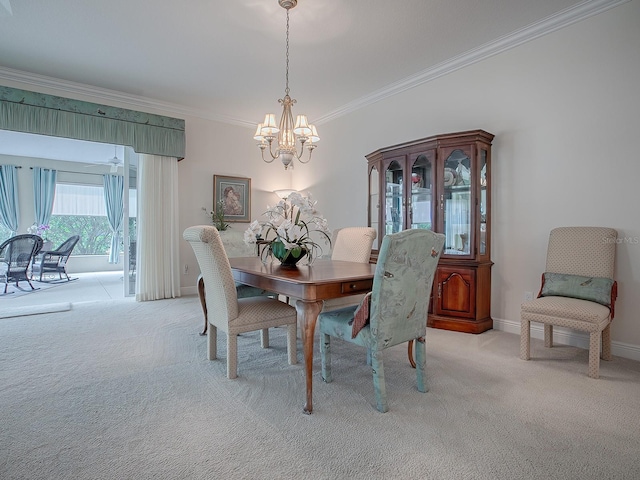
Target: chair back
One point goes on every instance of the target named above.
(402, 285)
(220, 289)
(67, 246)
(584, 251)
(353, 244)
(18, 251)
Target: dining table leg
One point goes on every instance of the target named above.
(307, 317)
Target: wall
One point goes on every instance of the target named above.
(564, 109)
(220, 149)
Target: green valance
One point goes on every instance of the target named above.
(39, 113)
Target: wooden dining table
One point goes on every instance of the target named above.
(311, 285)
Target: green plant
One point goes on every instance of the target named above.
(217, 216)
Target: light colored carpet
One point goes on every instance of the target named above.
(119, 390)
(34, 309)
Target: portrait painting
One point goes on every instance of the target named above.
(235, 195)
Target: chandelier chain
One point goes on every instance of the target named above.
(286, 90)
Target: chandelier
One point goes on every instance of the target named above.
(287, 132)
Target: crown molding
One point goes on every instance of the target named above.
(550, 24)
(102, 95)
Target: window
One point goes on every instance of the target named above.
(4, 233)
(80, 210)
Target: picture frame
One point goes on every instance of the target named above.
(235, 192)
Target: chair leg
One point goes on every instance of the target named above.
(421, 365)
(325, 354)
(264, 338)
(292, 339)
(212, 342)
(525, 343)
(377, 366)
(594, 354)
(548, 335)
(203, 302)
(232, 355)
(606, 343)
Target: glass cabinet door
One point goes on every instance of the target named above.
(394, 206)
(484, 184)
(456, 203)
(421, 211)
(374, 203)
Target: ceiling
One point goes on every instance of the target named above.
(225, 60)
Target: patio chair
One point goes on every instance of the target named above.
(16, 255)
(54, 261)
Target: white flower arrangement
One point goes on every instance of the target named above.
(292, 221)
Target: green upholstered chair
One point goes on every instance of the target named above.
(578, 291)
(235, 315)
(399, 304)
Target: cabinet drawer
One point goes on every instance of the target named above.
(359, 286)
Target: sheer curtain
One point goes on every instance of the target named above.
(113, 193)
(158, 231)
(9, 212)
(44, 190)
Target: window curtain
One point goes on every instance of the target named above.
(9, 212)
(113, 199)
(44, 191)
(158, 230)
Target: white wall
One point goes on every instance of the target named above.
(565, 112)
(220, 149)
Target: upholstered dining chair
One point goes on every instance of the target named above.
(578, 291)
(234, 246)
(235, 315)
(396, 310)
(16, 254)
(350, 244)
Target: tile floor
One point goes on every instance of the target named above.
(89, 287)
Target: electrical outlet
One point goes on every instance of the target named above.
(528, 296)
(186, 269)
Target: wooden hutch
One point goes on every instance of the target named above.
(442, 183)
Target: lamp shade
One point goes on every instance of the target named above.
(302, 126)
(269, 126)
(258, 135)
(313, 136)
(284, 193)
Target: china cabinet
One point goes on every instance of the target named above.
(442, 183)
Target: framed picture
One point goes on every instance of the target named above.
(235, 193)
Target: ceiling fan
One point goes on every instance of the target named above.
(115, 162)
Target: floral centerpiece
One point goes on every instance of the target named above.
(288, 229)
(37, 229)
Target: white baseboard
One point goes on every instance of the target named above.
(568, 337)
(189, 290)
